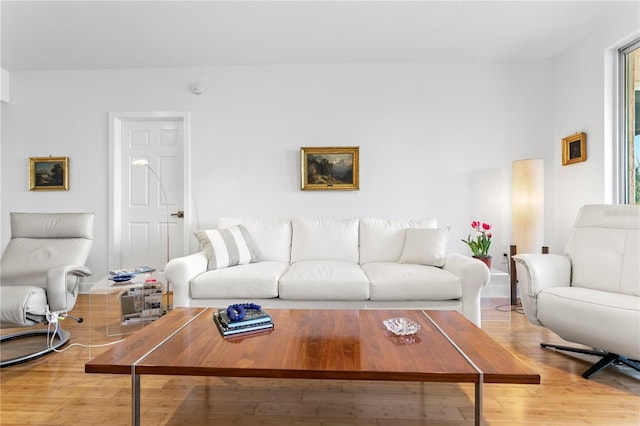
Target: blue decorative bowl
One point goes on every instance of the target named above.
(121, 278)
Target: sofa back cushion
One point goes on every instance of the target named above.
(382, 240)
(604, 248)
(272, 237)
(324, 239)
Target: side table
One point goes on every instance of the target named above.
(119, 312)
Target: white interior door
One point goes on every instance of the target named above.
(149, 202)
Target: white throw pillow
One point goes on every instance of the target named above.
(272, 237)
(381, 240)
(227, 247)
(425, 246)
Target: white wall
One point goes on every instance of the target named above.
(5, 94)
(579, 106)
(436, 138)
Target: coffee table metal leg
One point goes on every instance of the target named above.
(479, 421)
(135, 397)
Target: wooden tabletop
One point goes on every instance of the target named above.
(498, 364)
(121, 357)
(317, 344)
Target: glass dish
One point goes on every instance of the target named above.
(401, 326)
(411, 339)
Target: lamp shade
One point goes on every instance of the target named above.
(527, 208)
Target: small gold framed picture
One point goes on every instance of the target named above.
(48, 173)
(574, 148)
(330, 168)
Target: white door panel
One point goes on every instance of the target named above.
(148, 195)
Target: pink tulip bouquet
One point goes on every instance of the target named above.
(480, 245)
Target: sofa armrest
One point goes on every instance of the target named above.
(57, 289)
(536, 272)
(474, 275)
(180, 271)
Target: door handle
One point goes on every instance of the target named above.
(179, 213)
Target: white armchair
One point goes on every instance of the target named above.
(39, 275)
(590, 295)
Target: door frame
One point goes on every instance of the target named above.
(115, 176)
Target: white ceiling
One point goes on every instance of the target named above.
(140, 34)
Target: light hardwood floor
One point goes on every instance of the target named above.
(54, 390)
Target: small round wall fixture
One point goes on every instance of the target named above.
(198, 88)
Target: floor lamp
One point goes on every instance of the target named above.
(527, 210)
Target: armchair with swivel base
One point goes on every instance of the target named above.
(590, 295)
(39, 276)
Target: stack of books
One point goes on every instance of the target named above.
(254, 321)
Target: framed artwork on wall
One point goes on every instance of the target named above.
(48, 173)
(574, 148)
(330, 168)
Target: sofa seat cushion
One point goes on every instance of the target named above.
(398, 281)
(252, 281)
(595, 318)
(324, 280)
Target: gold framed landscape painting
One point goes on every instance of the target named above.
(48, 173)
(574, 148)
(330, 168)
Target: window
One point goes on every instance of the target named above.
(630, 140)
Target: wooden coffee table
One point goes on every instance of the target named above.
(318, 344)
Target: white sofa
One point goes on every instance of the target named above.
(330, 263)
